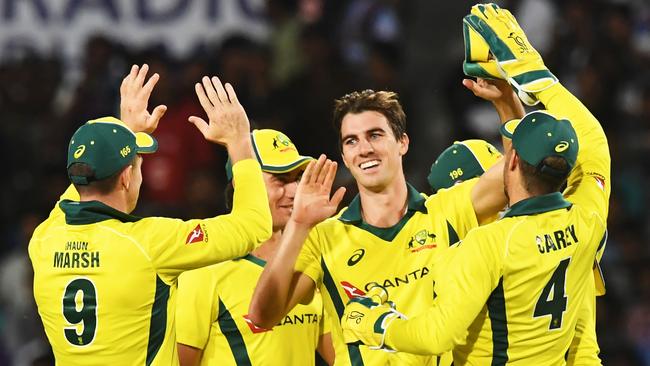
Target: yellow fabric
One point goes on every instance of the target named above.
(132, 268)
(507, 251)
(485, 153)
(202, 323)
(331, 257)
(503, 259)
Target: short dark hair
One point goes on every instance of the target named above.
(102, 186)
(537, 181)
(384, 102)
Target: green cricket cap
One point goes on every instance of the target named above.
(107, 145)
(462, 161)
(539, 135)
(275, 152)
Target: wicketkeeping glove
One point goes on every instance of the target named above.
(478, 62)
(516, 59)
(366, 318)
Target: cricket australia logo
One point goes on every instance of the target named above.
(523, 47)
(423, 239)
(282, 142)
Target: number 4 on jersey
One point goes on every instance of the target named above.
(555, 304)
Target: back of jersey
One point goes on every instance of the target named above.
(530, 317)
(98, 295)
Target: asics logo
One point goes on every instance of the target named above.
(562, 146)
(356, 257)
(80, 151)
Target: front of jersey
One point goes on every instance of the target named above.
(105, 281)
(345, 256)
(211, 315)
(530, 266)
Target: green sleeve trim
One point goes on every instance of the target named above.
(158, 325)
(496, 305)
(353, 350)
(233, 336)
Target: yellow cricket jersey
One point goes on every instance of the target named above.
(212, 315)
(105, 281)
(344, 256)
(515, 292)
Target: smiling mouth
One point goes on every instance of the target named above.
(369, 164)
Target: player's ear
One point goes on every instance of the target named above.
(513, 160)
(404, 144)
(126, 176)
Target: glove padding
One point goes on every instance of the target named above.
(516, 59)
(478, 62)
(365, 321)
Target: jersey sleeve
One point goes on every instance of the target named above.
(589, 184)
(175, 245)
(308, 261)
(456, 203)
(196, 306)
(473, 274)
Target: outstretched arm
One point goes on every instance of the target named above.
(488, 196)
(280, 287)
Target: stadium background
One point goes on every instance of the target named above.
(61, 63)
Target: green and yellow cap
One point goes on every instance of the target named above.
(539, 135)
(462, 161)
(275, 152)
(107, 145)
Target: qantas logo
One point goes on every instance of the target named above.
(195, 235)
(351, 290)
(600, 180)
(255, 328)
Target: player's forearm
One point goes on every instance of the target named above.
(273, 297)
(250, 201)
(420, 335)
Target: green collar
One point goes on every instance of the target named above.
(352, 215)
(538, 204)
(90, 212)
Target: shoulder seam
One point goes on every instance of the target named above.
(130, 238)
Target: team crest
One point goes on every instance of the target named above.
(423, 239)
(282, 142)
(196, 235)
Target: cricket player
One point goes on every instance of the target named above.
(212, 325)
(389, 234)
(516, 290)
(104, 280)
(461, 161)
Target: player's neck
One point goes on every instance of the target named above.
(267, 250)
(384, 208)
(517, 193)
(114, 199)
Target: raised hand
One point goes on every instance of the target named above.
(501, 94)
(312, 203)
(227, 121)
(135, 98)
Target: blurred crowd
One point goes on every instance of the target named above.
(317, 51)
